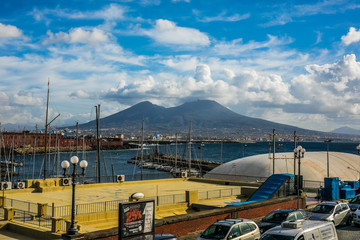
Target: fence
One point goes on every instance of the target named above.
(219, 193)
(234, 177)
(170, 199)
(312, 184)
(85, 208)
(22, 205)
(30, 218)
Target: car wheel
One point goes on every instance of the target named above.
(349, 221)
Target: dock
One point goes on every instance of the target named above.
(179, 162)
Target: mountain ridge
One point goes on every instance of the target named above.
(208, 119)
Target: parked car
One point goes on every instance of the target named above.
(354, 203)
(337, 212)
(302, 230)
(356, 217)
(234, 229)
(275, 218)
(163, 236)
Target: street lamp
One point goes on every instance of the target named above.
(66, 165)
(243, 149)
(299, 152)
(327, 150)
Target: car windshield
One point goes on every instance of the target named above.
(276, 237)
(325, 209)
(355, 200)
(275, 217)
(215, 232)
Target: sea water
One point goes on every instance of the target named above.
(115, 162)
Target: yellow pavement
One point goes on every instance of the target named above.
(50, 192)
(92, 193)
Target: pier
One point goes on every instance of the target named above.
(178, 162)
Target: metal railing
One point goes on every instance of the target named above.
(234, 177)
(22, 205)
(30, 218)
(170, 199)
(85, 208)
(312, 184)
(220, 193)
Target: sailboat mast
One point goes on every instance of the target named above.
(77, 137)
(46, 129)
(175, 164)
(142, 149)
(190, 149)
(98, 141)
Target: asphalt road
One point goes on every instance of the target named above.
(348, 233)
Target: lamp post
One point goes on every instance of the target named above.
(243, 149)
(327, 156)
(65, 165)
(299, 152)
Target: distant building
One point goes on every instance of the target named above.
(30, 139)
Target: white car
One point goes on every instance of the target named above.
(234, 229)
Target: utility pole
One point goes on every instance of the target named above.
(46, 129)
(98, 142)
(294, 153)
(273, 138)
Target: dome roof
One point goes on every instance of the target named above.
(313, 167)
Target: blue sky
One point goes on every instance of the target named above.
(292, 62)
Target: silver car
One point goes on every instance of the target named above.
(337, 212)
(235, 229)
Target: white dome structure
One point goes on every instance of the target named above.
(313, 167)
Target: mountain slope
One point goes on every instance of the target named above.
(208, 118)
(346, 130)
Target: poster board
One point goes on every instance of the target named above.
(136, 218)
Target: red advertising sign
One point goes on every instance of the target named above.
(136, 218)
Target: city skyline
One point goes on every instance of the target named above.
(288, 63)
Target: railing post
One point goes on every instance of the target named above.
(53, 209)
(42, 209)
(2, 201)
(9, 213)
(192, 197)
(56, 224)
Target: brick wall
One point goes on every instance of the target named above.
(188, 223)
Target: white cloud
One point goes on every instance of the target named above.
(78, 35)
(166, 32)
(330, 89)
(351, 37)
(222, 17)
(9, 31)
(109, 12)
(180, 1)
(182, 63)
(80, 94)
(237, 46)
(26, 99)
